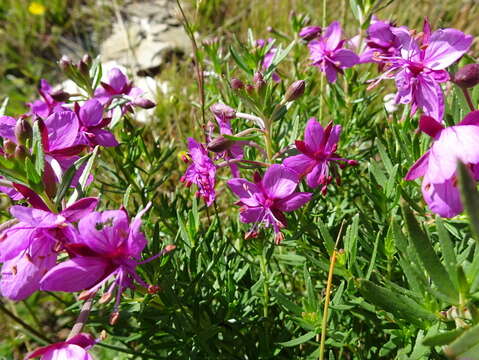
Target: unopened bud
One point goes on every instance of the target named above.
(153, 289)
(219, 144)
(144, 103)
(105, 298)
(249, 88)
(236, 84)
(65, 63)
(295, 90)
(258, 80)
(20, 152)
(9, 147)
(467, 76)
(223, 111)
(23, 131)
(310, 32)
(83, 68)
(87, 60)
(114, 317)
(60, 95)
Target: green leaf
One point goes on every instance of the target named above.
(399, 305)
(443, 338)
(466, 345)
(239, 60)
(428, 256)
(447, 248)
(3, 107)
(328, 240)
(300, 340)
(34, 179)
(470, 198)
(37, 149)
(68, 177)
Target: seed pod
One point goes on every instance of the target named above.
(467, 76)
(295, 90)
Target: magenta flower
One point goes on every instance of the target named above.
(117, 84)
(439, 164)
(29, 248)
(75, 348)
(108, 249)
(223, 115)
(420, 68)
(380, 41)
(91, 132)
(318, 154)
(268, 57)
(265, 200)
(201, 172)
(48, 105)
(328, 54)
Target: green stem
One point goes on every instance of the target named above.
(268, 140)
(468, 99)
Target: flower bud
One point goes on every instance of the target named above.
(249, 88)
(219, 144)
(310, 32)
(144, 103)
(258, 80)
(9, 146)
(223, 111)
(236, 84)
(83, 68)
(114, 317)
(60, 95)
(23, 131)
(65, 63)
(295, 90)
(87, 60)
(467, 76)
(20, 152)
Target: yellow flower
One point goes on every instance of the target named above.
(36, 8)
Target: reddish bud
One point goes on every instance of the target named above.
(236, 84)
(219, 144)
(310, 32)
(295, 90)
(258, 80)
(20, 153)
(144, 103)
(249, 88)
(9, 146)
(87, 60)
(467, 76)
(65, 63)
(114, 318)
(60, 95)
(23, 131)
(153, 289)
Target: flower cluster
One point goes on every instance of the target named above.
(55, 243)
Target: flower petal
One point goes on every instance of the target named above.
(345, 57)
(445, 47)
(419, 168)
(62, 129)
(91, 113)
(76, 274)
(443, 198)
(333, 35)
(80, 209)
(293, 201)
(301, 163)
(313, 135)
(245, 190)
(279, 181)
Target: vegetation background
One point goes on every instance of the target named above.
(214, 303)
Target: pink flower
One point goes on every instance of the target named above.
(318, 154)
(117, 84)
(265, 200)
(48, 105)
(439, 164)
(75, 348)
(223, 115)
(328, 54)
(108, 249)
(380, 41)
(29, 248)
(91, 125)
(268, 58)
(420, 68)
(201, 172)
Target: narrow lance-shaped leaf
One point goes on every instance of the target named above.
(399, 305)
(428, 256)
